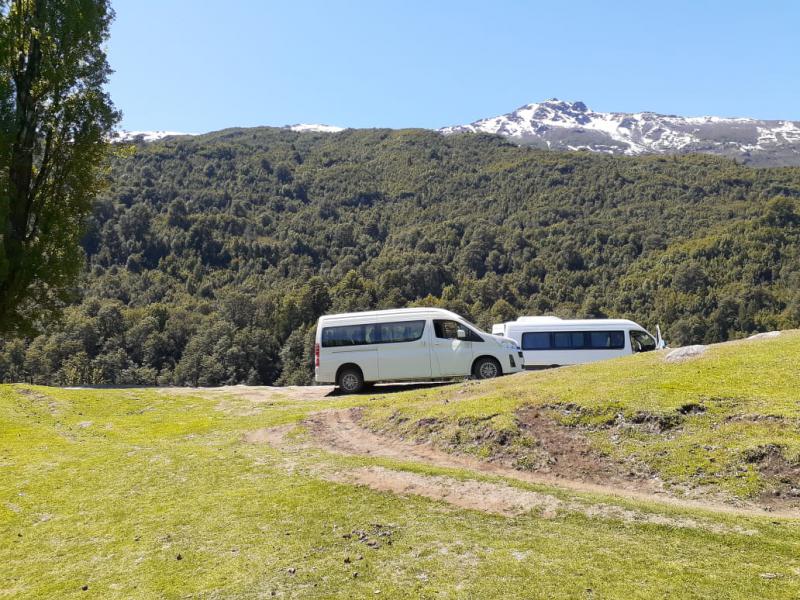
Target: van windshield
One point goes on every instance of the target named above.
(641, 341)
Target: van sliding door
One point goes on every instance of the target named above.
(403, 350)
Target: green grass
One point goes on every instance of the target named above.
(700, 423)
(105, 488)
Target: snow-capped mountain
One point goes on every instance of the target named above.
(563, 125)
(144, 136)
(315, 127)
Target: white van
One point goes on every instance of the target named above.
(407, 344)
(552, 342)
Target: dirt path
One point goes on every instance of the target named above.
(338, 431)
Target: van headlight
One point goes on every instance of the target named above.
(509, 346)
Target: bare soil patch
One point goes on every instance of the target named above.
(566, 452)
(256, 393)
(338, 431)
(507, 500)
(783, 476)
(274, 436)
(476, 495)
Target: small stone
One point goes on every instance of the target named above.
(355, 574)
(291, 570)
(347, 560)
(179, 557)
(84, 588)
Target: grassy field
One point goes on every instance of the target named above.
(153, 494)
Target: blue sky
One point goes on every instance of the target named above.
(199, 66)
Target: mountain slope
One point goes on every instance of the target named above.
(560, 125)
(209, 258)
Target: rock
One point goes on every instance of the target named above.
(85, 588)
(685, 353)
(765, 336)
(291, 570)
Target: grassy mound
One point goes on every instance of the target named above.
(724, 421)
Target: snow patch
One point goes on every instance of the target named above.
(144, 136)
(314, 127)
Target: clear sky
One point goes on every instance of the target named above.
(195, 66)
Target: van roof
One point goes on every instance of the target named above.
(394, 312)
(557, 322)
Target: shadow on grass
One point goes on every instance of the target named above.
(392, 388)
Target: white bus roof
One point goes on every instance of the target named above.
(398, 313)
(570, 323)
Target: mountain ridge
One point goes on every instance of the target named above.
(564, 125)
(572, 126)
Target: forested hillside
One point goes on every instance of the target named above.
(210, 258)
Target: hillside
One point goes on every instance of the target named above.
(559, 125)
(722, 423)
(209, 258)
(253, 491)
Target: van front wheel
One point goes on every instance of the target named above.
(351, 381)
(487, 368)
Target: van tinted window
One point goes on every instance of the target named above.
(536, 340)
(448, 330)
(381, 333)
(407, 331)
(573, 340)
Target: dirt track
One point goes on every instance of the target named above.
(338, 431)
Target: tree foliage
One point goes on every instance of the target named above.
(54, 119)
(209, 259)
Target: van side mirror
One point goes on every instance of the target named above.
(461, 334)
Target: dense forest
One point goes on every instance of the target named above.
(209, 258)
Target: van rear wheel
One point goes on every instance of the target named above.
(487, 368)
(351, 381)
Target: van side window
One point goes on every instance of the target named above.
(407, 331)
(448, 330)
(573, 340)
(536, 340)
(383, 333)
(348, 335)
(607, 340)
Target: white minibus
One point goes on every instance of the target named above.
(407, 344)
(552, 342)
